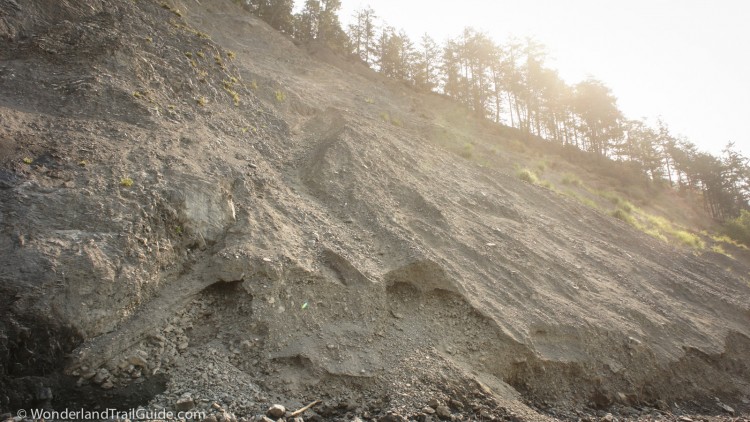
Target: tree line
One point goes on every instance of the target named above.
(511, 84)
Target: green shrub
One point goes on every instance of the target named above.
(527, 176)
(280, 96)
(126, 182)
(467, 151)
(739, 228)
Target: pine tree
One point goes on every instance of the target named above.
(277, 13)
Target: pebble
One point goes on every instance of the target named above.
(443, 412)
(185, 403)
(726, 408)
(138, 361)
(101, 376)
(607, 418)
(276, 411)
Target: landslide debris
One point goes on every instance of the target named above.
(184, 237)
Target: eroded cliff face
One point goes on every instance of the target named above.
(175, 231)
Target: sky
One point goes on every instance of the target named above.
(685, 61)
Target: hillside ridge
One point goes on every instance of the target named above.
(210, 213)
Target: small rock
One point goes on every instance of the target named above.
(184, 404)
(107, 385)
(392, 417)
(211, 418)
(485, 414)
(101, 376)
(456, 404)
(428, 410)
(44, 393)
(443, 412)
(662, 405)
(88, 374)
(138, 361)
(433, 403)
(685, 419)
(276, 411)
(726, 408)
(607, 418)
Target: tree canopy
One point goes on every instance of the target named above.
(511, 83)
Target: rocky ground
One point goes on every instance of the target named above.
(197, 214)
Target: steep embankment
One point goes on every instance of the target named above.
(197, 205)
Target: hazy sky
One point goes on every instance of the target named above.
(684, 60)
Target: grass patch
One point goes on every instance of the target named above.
(570, 179)
(625, 216)
(689, 239)
(280, 96)
(718, 249)
(27, 160)
(126, 182)
(656, 234)
(582, 199)
(617, 200)
(219, 62)
(202, 101)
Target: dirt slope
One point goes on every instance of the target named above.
(294, 231)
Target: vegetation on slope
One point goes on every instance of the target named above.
(511, 84)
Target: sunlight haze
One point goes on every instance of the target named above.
(681, 60)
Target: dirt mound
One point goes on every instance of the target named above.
(195, 208)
